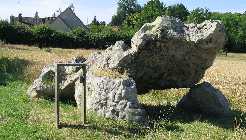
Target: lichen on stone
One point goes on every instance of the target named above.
(114, 74)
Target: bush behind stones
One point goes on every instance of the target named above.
(99, 36)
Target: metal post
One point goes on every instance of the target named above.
(57, 92)
(57, 97)
(83, 104)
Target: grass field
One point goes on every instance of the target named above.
(21, 118)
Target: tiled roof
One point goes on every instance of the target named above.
(70, 19)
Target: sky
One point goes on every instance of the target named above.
(103, 9)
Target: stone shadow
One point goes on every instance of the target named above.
(12, 69)
(120, 130)
(164, 117)
(66, 101)
(236, 118)
(128, 131)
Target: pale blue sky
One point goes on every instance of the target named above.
(103, 9)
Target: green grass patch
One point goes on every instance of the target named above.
(21, 118)
(11, 69)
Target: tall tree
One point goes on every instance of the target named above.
(198, 15)
(178, 11)
(125, 8)
(235, 27)
(149, 13)
(153, 9)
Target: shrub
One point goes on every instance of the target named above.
(6, 31)
(16, 34)
(43, 36)
(62, 40)
(99, 36)
(23, 35)
(80, 38)
(103, 36)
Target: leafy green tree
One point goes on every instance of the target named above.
(125, 8)
(80, 35)
(149, 13)
(235, 26)
(43, 35)
(178, 11)
(199, 15)
(128, 7)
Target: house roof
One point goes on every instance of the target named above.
(67, 17)
(70, 19)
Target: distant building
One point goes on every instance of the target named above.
(65, 22)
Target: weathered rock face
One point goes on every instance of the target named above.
(166, 53)
(111, 97)
(44, 85)
(204, 98)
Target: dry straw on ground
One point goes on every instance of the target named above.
(228, 74)
(38, 58)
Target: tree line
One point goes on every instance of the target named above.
(129, 18)
(131, 15)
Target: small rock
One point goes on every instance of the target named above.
(204, 98)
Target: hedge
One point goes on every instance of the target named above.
(42, 36)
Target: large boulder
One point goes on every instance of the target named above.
(204, 98)
(112, 96)
(165, 53)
